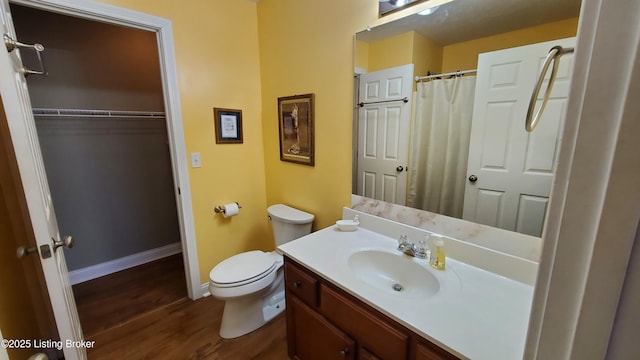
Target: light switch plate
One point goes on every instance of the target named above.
(195, 160)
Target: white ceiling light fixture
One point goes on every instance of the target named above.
(429, 11)
(396, 3)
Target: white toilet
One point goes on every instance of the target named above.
(252, 283)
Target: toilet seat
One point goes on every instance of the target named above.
(242, 269)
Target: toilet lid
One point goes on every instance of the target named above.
(242, 267)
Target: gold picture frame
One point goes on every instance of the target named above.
(296, 122)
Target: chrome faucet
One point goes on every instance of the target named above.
(409, 248)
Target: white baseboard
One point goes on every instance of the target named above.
(109, 267)
(205, 290)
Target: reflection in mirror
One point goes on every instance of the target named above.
(388, 6)
(457, 145)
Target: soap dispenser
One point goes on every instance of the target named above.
(437, 258)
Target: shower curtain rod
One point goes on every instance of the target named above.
(462, 72)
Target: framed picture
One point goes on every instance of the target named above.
(295, 120)
(228, 126)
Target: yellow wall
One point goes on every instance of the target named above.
(303, 47)
(427, 55)
(391, 52)
(226, 58)
(361, 58)
(406, 48)
(216, 49)
(307, 47)
(464, 55)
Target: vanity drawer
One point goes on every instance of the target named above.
(369, 330)
(301, 284)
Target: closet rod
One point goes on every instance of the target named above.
(462, 72)
(44, 112)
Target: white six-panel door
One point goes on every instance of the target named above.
(514, 168)
(17, 104)
(383, 134)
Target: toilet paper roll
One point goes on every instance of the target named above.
(230, 209)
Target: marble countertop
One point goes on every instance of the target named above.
(476, 314)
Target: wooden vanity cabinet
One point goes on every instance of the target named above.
(324, 322)
(311, 336)
(428, 351)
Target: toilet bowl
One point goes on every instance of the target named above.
(252, 282)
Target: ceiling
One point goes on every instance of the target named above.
(463, 20)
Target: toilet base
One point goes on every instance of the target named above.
(246, 314)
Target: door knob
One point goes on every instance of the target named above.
(473, 178)
(23, 251)
(39, 356)
(344, 352)
(399, 168)
(66, 242)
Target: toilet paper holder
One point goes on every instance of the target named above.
(220, 209)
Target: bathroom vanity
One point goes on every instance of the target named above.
(324, 322)
(353, 295)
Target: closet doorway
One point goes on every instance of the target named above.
(104, 140)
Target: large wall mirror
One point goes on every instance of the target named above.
(441, 98)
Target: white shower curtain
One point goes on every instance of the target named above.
(440, 145)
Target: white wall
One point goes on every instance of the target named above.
(624, 337)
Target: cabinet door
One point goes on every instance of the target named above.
(369, 329)
(301, 284)
(312, 337)
(432, 352)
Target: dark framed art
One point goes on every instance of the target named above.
(228, 126)
(295, 121)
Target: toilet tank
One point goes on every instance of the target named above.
(288, 223)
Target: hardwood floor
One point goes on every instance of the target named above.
(114, 299)
(189, 330)
(155, 320)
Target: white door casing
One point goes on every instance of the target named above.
(179, 160)
(514, 168)
(17, 109)
(383, 133)
(15, 97)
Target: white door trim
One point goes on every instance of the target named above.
(3, 351)
(162, 27)
(593, 213)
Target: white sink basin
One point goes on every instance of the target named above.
(394, 274)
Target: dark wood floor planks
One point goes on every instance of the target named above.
(189, 330)
(117, 298)
(143, 313)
